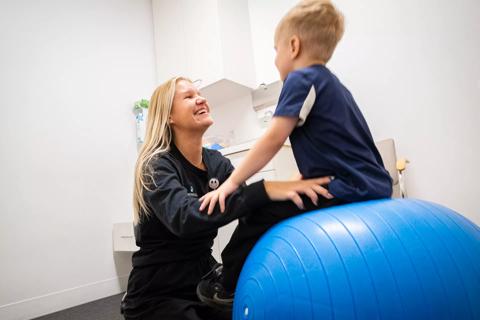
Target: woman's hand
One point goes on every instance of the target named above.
(210, 199)
(291, 190)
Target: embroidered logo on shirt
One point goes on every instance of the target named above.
(192, 192)
(213, 183)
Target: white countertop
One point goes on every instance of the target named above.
(243, 147)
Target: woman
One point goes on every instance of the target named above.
(173, 171)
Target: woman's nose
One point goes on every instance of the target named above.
(201, 100)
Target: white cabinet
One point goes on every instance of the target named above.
(264, 17)
(208, 40)
(218, 40)
(282, 167)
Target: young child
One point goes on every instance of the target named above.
(328, 133)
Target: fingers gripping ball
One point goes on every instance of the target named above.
(386, 259)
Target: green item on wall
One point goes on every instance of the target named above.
(141, 104)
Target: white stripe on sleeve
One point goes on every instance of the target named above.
(307, 106)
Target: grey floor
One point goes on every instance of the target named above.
(103, 309)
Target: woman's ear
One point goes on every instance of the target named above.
(170, 120)
(294, 46)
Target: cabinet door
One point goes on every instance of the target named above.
(237, 158)
(268, 175)
(187, 40)
(170, 45)
(202, 36)
(264, 17)
(208, 40)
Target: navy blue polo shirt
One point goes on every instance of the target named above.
(332, 137)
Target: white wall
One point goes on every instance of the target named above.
(414, 69)
(70, 72)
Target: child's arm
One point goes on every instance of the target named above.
(261, 153)
(264, 149)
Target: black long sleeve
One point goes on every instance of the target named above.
(171, 202)
(176, 230)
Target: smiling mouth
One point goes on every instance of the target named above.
(201, 112)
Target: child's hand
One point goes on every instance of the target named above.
(211, 198)
(291, 190)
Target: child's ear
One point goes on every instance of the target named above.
(294, 46)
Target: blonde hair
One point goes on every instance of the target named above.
(317, 23)
(157, 141)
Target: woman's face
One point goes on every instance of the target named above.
(190, 111)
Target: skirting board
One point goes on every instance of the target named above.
(64, 299)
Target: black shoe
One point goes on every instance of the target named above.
(211, 291)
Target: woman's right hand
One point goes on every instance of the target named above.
(291, 190)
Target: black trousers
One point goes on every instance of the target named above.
(168, 292)
(182, 309)
(252, 227)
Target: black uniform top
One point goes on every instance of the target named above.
(176, 230)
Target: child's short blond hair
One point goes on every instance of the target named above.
(317, 23)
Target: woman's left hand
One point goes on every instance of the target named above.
(210, 199)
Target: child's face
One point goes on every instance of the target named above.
(283, 58)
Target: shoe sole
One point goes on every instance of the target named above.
(215, 303)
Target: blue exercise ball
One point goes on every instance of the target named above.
(383, 259)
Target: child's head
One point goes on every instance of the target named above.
(309, 31)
